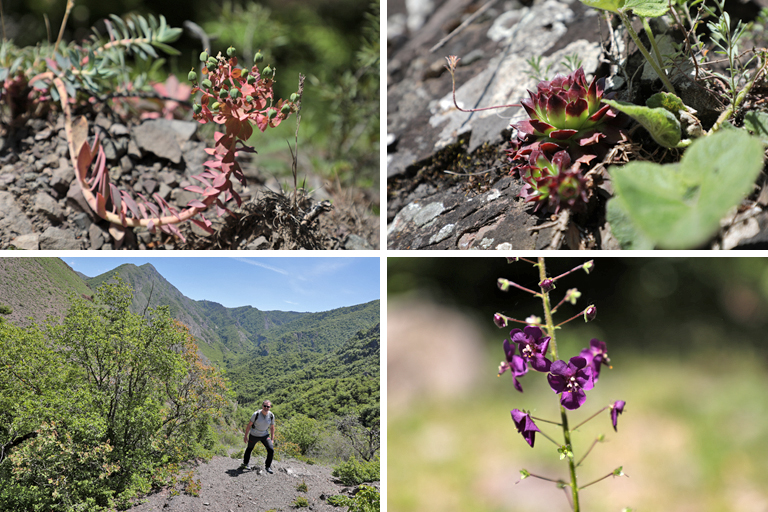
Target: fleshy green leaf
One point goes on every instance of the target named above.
(660, 123)
(680, 205)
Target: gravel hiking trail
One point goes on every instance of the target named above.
(223, 488)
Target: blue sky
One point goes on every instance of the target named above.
(283, 284)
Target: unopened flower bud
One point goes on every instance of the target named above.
(285, 109)
(231, 51)
(196, 108)
(223, 93)
(258, 57)
(547, 285)
(499, 320)
(234, 93)
(250, 80)
(249, 98)
(215, 106)
(294, 97)
(204, 56)
(206, 83)
(267, 72)
(192, 76)
(588, 266)
(271, 113)
(503, 284)
(590, 313)
(212, 62)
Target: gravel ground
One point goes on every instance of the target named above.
(225, 489)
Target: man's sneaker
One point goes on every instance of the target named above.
(269, 470)
(243, 467)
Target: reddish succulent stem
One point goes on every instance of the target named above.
(451, 67)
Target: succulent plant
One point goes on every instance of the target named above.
(555, 182)
(566, 112)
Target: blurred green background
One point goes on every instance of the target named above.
(334, 43)
(687, 341)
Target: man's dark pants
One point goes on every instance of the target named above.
(252, 440)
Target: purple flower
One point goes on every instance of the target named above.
(547, 285)
(616, 408)
(532, 347)
(499, 320)
(515, 364)
(525, 425)
(596, 356)
(571, 380)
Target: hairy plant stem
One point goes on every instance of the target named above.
(563, 415)
(644, 51)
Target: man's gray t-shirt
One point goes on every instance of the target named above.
(260, 423)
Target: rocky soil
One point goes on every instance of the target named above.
(41, 206)
(223, 488)
(448, 182)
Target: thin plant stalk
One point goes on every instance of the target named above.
(644, 51)
(563, 415)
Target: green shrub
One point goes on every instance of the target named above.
(354, 471)
(302, 431)
(300, 502)
(367, 499)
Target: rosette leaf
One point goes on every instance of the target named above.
(554, 182)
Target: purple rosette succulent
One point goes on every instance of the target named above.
(555, 182)
(566, 112)
(514, 363)
(571, 380)
(525, 426)
(532, 347)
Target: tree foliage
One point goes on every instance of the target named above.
(92, 406)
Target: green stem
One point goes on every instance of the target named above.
(727, 113)
(563, 414)
(652, 39)
(651, 61)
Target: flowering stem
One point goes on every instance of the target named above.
(507, 281)
(586, 420)
(563, 414)
(553, 441)
(588, 451)
(547, 479)
(574, 269)
(598, 480)
(574, 317)
(546, 421)
(510, 319)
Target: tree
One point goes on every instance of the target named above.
(362, 431)
(104, 398)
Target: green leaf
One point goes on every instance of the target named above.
(623, 229)
(660, 123)
(680, 205)
(647, 8)
(668, 101)
(606, 5)
(757, 123)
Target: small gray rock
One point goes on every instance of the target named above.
(48, 206)
(55, 239)
(30, 242)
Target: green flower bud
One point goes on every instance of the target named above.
(196, 108)
(234, 93)
(223, 93)
(258, 58)
(286, 108)
(206, 83)
(192, 76)
(203, 56)
(231, 51)
(294, 97)
(215, 106)
(250, 79)
(249, 98)
(271, 113)
(267, 71)
(212, 62)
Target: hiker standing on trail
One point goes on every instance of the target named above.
(261, 428)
